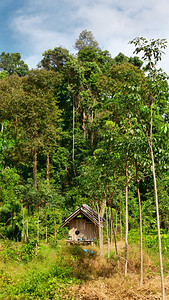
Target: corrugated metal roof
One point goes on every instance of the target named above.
(86, 211)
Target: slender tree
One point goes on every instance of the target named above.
(156, 90)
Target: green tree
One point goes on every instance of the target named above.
(55, 59)
(86, 40)
(12, 64)
(123, 59)
(10, 206)
(155, 95)
(41, 116)
(12, 95)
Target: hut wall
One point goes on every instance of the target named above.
(87, 230)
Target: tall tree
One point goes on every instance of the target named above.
(155, 96)
(86, 40)
(12, 64)
(41, 116)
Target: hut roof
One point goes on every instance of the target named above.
(86, 211)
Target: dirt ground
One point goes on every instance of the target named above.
(107, 285)
(120, 288)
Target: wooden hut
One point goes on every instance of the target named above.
(83, 225)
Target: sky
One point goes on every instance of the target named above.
(31, 27)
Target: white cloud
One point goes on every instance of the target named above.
(41, 25)
(33, 30)
(37, 38)
(32, 61)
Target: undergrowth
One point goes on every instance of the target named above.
(58, 270)
(47, 275)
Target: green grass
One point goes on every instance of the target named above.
(49, 275)
(150, 246)
(58, 267)
(45, 276)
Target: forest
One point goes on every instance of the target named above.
(83, 128)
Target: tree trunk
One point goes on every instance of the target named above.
(114, 233)
(23, 227)
(83, 123)
(27, 226)
(16, 132)
(112, 220)
(111, 235)
(73, 142)
(110, 228)
(116, 221)
(108, 233)
(46, 226)
(157, 209)
(121, 230)
(103, 207)
(38, 227)
(100, 232)
(158, 226)
(54, 224)
(35, 168)
(37, 238)
(92, 133)
(47, 167)
(2, 127)
(126, 236)
(141, 235)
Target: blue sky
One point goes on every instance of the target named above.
(31, 27)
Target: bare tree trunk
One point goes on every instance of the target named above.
(73, 146)
(35, 168)
(141, 234)
(16, 132)
(121, 231)
(92, 133)
(2, 127)
(126, 236)
(38, 227)
(83, 124)
(103, 207)
(111, 235)
(110, 224)
(108, 233)
(158, 227)
(100, 232)
(54, 224)
(27, 226)
(47, 167)
(23, 227)
(35, 185)
(47, 178)
(37, 238)
(157, 209)
(46, 226)
(116, 220)
(112, 220)
(114, 233)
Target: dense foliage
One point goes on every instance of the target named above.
(68, 131)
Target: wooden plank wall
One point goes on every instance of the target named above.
(87, 230)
